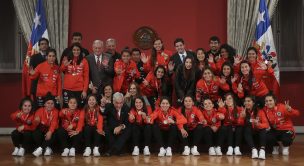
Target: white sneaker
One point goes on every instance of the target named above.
(38, 152)
(87, 152)
(168, 151)
(218, 151)
(146, 151)
(186, 151)
(275, 150)
(285, 150)
(254, 153)
(212, 151)
(21, 152)
(48, 151)
(237, 151)
(162, 152)
(194, 151)
(135, 151)
(262, 154)
(72, 152)
(96, 151)
(229, 151)
(65, 152)
(15, 151)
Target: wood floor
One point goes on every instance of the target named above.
(296, 158)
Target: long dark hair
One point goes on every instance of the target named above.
(205, 60)
(189, 75)
(143, 101)
(254, 107)
(230, 50)
(251, 76)
(235, 111)
(53, 51)
(26, 99)
(71, 55)
(86, 107)
(253, 49)
(154, 52)
(164, 85)
(183, 106)
(227, 63)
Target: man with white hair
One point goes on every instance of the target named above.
(111, 49)
(117, 128)
(101, 68)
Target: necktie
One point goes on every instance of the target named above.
(98, 62)
(184, 56)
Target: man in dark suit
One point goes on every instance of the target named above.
(181, 53)
(38, 58)
(111, 49)
(101, 68)
(117, 128)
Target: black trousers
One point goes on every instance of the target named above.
(138, 131)
(66, 141)
(194, 136)
(91, 136)
(117, 142)
(233, 135)
(285, 136)
(211, 138)
(160, 134)
(255, 137)
(39, 139)
(67, 94)
(22, 139)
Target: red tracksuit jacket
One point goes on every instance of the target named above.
(231, 119)
(27, 120)
(160, 60)
(194, 117)
(212, 118)
(130, 72)
(49, 79)
(48, 119)
(76, 119)
(138, 118)
(76, 77)
(279, 118)
(202, 88)
(94, 118)
(261, 117)
(158, 116)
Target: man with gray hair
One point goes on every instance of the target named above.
(111, 49)
(117, 128)
(101, 68)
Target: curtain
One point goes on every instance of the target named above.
(241, 20)
(57, 15)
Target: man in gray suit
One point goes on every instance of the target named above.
(101, 68)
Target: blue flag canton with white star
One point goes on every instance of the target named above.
(39, 26)
(263, 22)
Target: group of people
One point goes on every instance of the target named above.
(215, 98)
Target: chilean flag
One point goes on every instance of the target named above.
(264, 39)
(38, 31)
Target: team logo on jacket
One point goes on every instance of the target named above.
(279, 113)
(192, 116)
(55, 72)
(213, 120)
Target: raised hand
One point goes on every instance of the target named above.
(221, 103)
(171, 66)
(131, 116)
(240, 88)
(237, 59)
(211, 58)
(262, 65)
(144, 58)
(31, 71)
(287, 106)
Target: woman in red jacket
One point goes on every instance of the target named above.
(93, 130)
(22, 135)
(76, 76)
(212, 127)
(159, 56)
(72, 122)
(255, 128)
(166, 122)
(155, 86)
(249, 84)
(208, 87)
(203, 61)
(125, 72)
(137, 117)
(46, 120)
(228, 54)
(49, 78)
(279, 117)
(193, 129)
(133, 91)
(233, 125)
